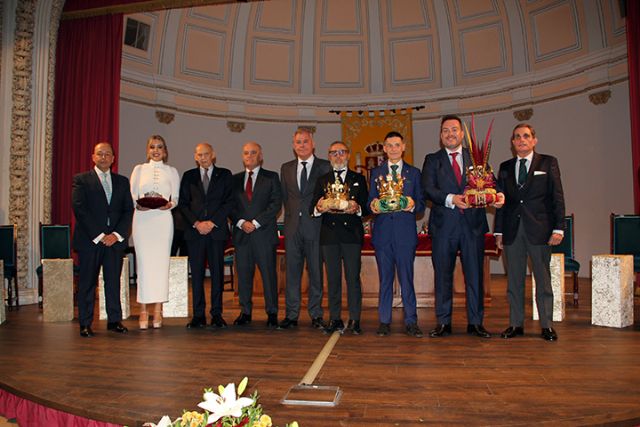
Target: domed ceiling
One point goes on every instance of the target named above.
(303, 58)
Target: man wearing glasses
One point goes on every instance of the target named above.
(340, 197)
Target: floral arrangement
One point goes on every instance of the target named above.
(480, 190)
(223, 409)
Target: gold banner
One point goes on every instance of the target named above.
(364, 133)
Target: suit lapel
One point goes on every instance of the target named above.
(448, 168)
(535, 160)
(99, 189)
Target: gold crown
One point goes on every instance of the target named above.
(388, 188)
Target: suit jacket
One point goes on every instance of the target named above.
(539, 203)
(439, 181)
(215, 206)
(342, 228)
(93, 213)
(398, 227)
(264, 207)
(296, 205)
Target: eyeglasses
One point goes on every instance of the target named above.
(335, 153)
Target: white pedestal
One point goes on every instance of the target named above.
(3, 313)
(57, 290)
(556, 266)
(124, 292)
(612, 290)
(178, 304)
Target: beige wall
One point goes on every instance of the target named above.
(592, 144)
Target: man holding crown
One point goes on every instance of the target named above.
(456, 225)
(395, 197)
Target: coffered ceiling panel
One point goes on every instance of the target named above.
(203, 47)
(272, 56)
(481, 40)
(341, 47)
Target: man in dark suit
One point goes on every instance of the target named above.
(531, 221)
(342, 235)
(454, 227)
(205, 203)
(394, 236)
(103, 209)
(257, 200)
(301, 230)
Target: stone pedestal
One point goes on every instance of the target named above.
(3, 314)
(124, 292)
(57, 290)
(557, 284)
(178, 304)
(612, 290)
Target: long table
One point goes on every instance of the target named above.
(423, 282)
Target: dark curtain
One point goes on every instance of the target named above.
(633, 54)
(86, 108)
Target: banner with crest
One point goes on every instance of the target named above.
(364, 132)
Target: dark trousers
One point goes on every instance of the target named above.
(401, 258)
(204, 249)
(445, 247)
(110, 259)
(264, 256)
(298, 249)
(516, 257)
(335, 256)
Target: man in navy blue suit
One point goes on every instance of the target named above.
(394, 236)
(454, 227)
(103, 208)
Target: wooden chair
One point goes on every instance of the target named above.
(229, 257)
(8, 253)
(567, 248)
(625, 237)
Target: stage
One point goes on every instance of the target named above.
(590, 376)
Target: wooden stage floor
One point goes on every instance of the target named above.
(589, 377)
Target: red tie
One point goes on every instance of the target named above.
(249, 187)
(456, 168)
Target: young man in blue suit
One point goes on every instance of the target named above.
(454, 227)
(103, 208)
(395, 238)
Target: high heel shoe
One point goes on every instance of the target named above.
(144, 320)
(157, 319)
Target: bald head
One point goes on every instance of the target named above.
(251, 155)
(204, 155)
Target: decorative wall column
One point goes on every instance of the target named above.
(19, 167)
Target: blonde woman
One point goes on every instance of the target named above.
(154, 187)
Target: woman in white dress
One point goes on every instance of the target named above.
(153, 228)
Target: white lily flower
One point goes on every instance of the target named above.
(224, 404)
(164, 422)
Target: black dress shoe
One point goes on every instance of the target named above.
(218, 322)
(441, 330)
(287, 323)
(549, 334)
(512, 331)
(413, 331)
(117, 327)
(383, 330)
(86, 332)
(354, 327)
(478, 330)
(197, 322)
(242, 319)
(334, 325)
(317, 323)
(272, 321)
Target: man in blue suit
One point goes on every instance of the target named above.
(394, 236)
(454, 227)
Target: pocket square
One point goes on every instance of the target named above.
(539, 173)
(355, 184)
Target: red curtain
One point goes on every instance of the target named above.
(633, 55)
(86, 108)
